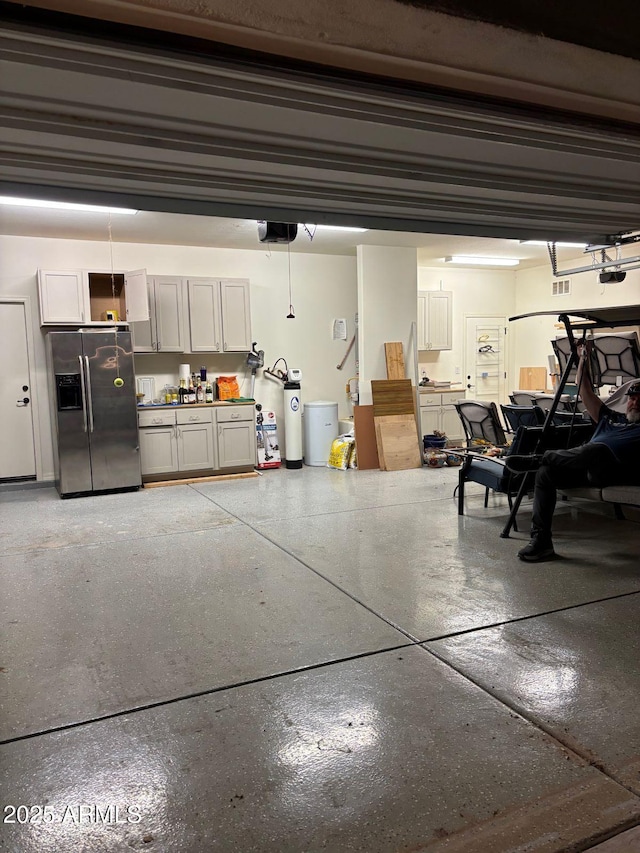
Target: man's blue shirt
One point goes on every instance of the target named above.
(621, 437)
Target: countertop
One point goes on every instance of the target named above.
(429, 390)
(143, 406)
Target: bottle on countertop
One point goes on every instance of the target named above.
(183, 393)
(208, 392)
(199, 391)
(203, 374)
(192, 392)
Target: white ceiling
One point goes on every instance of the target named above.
(190, 230)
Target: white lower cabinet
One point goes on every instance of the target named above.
(437, 412)
(198, 439)
(195, 447)
(194, 433)
(236, 437)
(158, 450)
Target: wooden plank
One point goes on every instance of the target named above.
(189, 480)
(379, 445)
(533, 379)
(394, 357)
(392, 397)
(365, 432)
(399, 443)
(378, 422)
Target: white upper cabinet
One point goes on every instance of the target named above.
(77, 297)
(236, 315)
(219, 315)
(165, 313)
(163, 331)
(136, 296)
(434, 319)
(204, 314)
(62, 296)
(169, 316)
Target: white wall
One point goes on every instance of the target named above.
(387, 308)
(323, 287)
(475, 292)
(533, 293)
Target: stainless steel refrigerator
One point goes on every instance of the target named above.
(94, 411)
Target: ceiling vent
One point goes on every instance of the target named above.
(561, 287)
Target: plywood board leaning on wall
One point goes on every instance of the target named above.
(398, 448)
(395, 423)
(365, 432)
(394, 358)
(392, 397)
(533, 379)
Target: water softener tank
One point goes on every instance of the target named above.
(320, 431)
(292, 425)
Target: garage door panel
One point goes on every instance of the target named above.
(217, 135)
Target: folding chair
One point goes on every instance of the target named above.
(480, 420)
(492, 473)
(522, 398)
(517, 416)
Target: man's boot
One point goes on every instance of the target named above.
(539, 549)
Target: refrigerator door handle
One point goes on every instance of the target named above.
(89, 395)
(84, 395)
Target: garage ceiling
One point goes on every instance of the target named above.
(242, 234)
(200, 134)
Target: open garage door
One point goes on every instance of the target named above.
(201, 134)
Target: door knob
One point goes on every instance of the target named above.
(24, 401)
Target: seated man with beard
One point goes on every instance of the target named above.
(610, 458)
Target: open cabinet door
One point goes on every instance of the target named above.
(136, 296)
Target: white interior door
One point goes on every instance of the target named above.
(17, 452)
(485, 358)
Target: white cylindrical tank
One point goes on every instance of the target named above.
(292, 425)
(320, 430)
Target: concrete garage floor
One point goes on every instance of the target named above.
(315, 660)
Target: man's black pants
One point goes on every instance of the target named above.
(591, 465)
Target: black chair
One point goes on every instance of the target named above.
(517, 416)
(522, 398)
(569, 418)
(544, 401)
(492, 473)
(480, 420)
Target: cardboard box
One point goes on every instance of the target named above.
(267, 440)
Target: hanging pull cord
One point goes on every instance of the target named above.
(118, 381)
(291, 315)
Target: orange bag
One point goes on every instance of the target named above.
(228, 388)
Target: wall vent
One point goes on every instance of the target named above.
(561, 288)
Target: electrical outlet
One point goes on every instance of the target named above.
(456, 370)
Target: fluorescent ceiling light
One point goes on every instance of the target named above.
(545, 242)
(64, 205)
(331, 227)
(481, 261)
